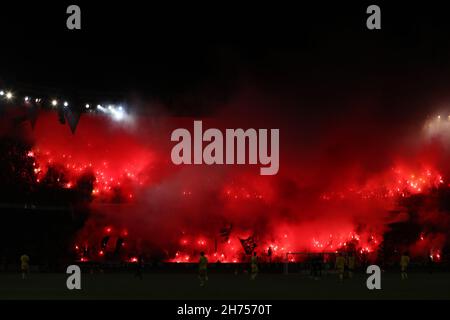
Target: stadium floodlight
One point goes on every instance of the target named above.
(9, 95)
(54, 102)
(66, 104)
(101, 108)
(2, 93)
(26, 99)
(87, 106)
(117, 115)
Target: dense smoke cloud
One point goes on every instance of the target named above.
(344, 168)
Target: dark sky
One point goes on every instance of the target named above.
(170, 51)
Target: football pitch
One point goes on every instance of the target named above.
(185, 286)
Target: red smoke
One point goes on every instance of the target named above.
(330, 193)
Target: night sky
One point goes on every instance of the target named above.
(186, 55)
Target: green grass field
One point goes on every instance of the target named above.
(222, 286)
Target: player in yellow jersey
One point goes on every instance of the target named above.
(24, 265)
(254, 266)
(351, 262)
(202, 269)
(340, 266)
(404, 262)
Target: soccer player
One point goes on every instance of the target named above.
(139, 267)
(316, 266)
(340, 266)
(254, 266)
(202, 269)
(351, 264)
(404, 262)
(24, 265)
(430, 264)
